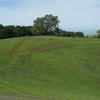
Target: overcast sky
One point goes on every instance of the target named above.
(75, 15)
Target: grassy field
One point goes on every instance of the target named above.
(50, 68)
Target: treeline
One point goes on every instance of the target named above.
(47, 25)
(21, 31)
(14, 31)
(64, 33)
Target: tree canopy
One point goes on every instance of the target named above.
(46, 25)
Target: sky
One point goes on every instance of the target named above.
(74, 15)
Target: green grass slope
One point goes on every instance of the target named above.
(50, 68)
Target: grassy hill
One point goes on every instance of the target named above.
(50, 68)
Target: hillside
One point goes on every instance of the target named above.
(50, 68)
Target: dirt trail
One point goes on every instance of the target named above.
(13, 53)
(11, 56)
(18, 97)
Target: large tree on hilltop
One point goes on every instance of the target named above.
(46, 25)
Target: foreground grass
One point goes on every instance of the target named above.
(50, 68)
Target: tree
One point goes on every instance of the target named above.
(9, 31)
(46, 25)
(98, 33)
(79, 34)
(27, 30)
(1, 30)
